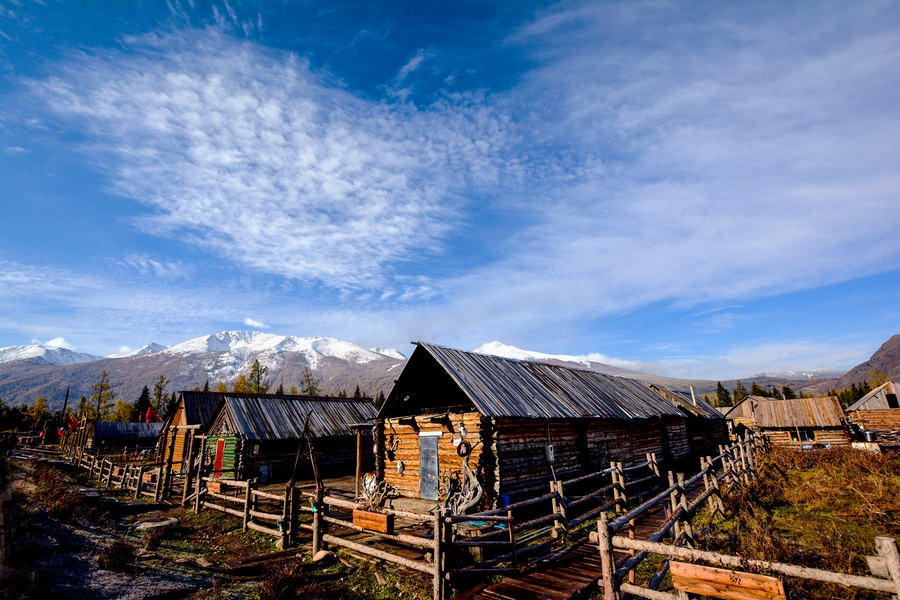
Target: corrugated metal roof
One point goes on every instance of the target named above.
(505, 387)
(270, 417)
(796, 412)
(876, 399)
(108, 431)
(692, 405)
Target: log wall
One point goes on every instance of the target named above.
(782, 437)
(887, 419)
(401, 443)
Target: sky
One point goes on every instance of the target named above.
(697, 189)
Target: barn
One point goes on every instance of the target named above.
(518, 424)
(257, 435)
(194, 409)
(879, 410)
(796, 422)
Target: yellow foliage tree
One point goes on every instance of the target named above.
(37, 412)
(877, 378)
(241, 386)
(221, 388)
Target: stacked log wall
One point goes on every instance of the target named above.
(887, 419)
(401, 443)
(782, 437)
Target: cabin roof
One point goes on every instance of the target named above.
(115, 431)
(888, 387)
(505, 387)
(200, 408)
(824, 411)
(281, 417)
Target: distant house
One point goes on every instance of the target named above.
(518, 424)
(257, 435)
(118, 437)
(879, 410)
(796, 422)
(193, 408)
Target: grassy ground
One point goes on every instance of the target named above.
(817, 508)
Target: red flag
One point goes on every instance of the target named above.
(152, 417)
(60, 431)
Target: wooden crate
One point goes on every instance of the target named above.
(374, 521)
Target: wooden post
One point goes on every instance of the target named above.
(188, 469)
(617, 490)
(511, 529)
(607, 560)
(358, 462)
(673, 506)
(157, 493)
(167, 477)
(140, 482)
(438, 579)
(631, 577)
(624, 490)
(248, 495)
(887, 549)
(554, 504)
(295, 516)
(201, 458)
(686, 519)
(317, 522)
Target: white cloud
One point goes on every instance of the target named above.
(124, 349)
(164, 269)
(250, 154)
(57, 342)
(254, 323)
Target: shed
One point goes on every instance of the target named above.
(793, 422)
(256, 435)
(117, 437)
(879, 410)
(522, 423)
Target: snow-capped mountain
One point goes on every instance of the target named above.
(803, 374)
(42, 355)
(221, 357)
(590, 361)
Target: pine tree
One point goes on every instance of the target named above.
(723, 398)
(280, 390)
(257, 379)
(143, 403)
(206, 386)
(171, 405)
(103, 398)
(82, 407)
(379, 400)
(788, 393)
(357, 393)
(740, 393)
(758, 390)
(342, 394)
(124, 413)
(310, 384)
(159, 389)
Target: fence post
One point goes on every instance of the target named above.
(201, 458)
(140, 482)
(295, 516)
(751, 460)
(317, 523)
(622, 487)
(248, 495)
(617, 490)
(887, 549)
(167, 476)
(673, 506)
(438, 580)
(607, 564)
(157, 494)
(686, 518)
(188, 469)
(557, 511)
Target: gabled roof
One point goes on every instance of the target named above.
(888, 387)
(281, 417)
(505, 387)
(824, 411)
(114, 431)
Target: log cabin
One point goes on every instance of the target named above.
(519, 424)
(196, 409)
(879, 410)
(257, 435)
(796, 422)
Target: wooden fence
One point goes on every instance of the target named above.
(451, 548)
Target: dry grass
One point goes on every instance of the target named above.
(56, 495)
(120, 556)
(819, 509)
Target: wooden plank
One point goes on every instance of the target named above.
(374, 521)
(725, 583)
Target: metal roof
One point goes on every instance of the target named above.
(270, 417)
(505, 387)
(200, 408)
(796, 412)
(108, 430)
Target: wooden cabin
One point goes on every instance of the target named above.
(193, 408)
(113, 438)
(257, 435)
(518, 424)
(879, 410)
(797, 422)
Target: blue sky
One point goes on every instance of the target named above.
(697, 189)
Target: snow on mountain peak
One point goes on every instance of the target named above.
(391, 352)
(496, 348)
(44, 355)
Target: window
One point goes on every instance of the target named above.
(254, 449)
(804, 434)
(892, 401)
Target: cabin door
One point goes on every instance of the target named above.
(428, 466)
(220, 450)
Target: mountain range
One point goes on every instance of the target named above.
(28, 372)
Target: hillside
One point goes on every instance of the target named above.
(886, 359)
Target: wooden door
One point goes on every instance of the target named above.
(220, 451)
(428, 467)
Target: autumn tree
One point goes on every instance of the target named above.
(125, 412)
(877, 378)
(293, 391)
(37, 413)
(221, 388)
(102, 398)
(159, 391)
(257, 379)
(241, 386)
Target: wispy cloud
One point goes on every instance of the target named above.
(164, 269)
(255, 324)
(250, 154)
